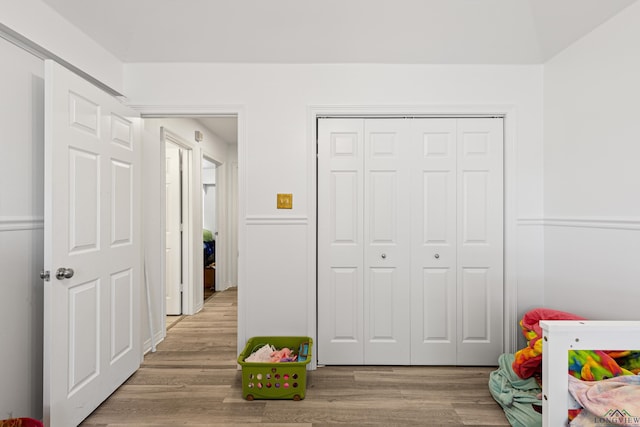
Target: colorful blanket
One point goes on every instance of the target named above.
(588, 365)
(528, 360)
(594, 365)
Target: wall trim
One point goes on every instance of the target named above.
(187, 111)
(276, 220)
(530, 221)
(603, 223)
(15, 223)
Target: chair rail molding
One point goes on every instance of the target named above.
(15, 223)
(615, 223)
(276, 220)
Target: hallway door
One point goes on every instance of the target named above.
(173, 233)
(92, 246)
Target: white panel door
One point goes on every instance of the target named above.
(410, 241)
(340, 242)
(433, 242)
(92, 240)
(173, 236)
(480, 240)
(387, 196)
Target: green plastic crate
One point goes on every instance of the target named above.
(283, 380)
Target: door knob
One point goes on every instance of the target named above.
(436, 256)
(64, 273)
(383, 256)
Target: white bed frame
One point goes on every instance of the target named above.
(560, 336)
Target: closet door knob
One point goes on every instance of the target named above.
(436, 256)
(383, 256)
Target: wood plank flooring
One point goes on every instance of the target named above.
(192, 379)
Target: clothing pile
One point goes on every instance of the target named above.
(596, 379)
(268, 353)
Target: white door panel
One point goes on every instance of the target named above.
(480, 241)
(433, 244)
(340, 243)
(386, 235)
(92, 176)
(173, 236)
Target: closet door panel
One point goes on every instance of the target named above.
(436, 300)
(386, 228)
(476, 319)
(433, 241)
(340, 241)
(474, 208)
(480, 240)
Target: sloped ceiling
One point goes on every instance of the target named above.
(337, 31)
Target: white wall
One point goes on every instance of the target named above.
(591, 154)
(21, 232)
(153, 209)
(277, 249)
(36, 21)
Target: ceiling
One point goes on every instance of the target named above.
(337, 31)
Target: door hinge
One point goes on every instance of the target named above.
(181, 287)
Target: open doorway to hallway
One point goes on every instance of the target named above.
(209, 224)
(204, 141)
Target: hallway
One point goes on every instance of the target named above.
(192, 380)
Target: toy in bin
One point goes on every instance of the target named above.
(279, 379)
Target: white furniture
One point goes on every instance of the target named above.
(560, 336)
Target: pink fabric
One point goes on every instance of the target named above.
(614, 400)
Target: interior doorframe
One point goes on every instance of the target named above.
(182, 111)
(187, 239)
(507, 112)
(221, 223)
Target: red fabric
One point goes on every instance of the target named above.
(20, 422)
(531, 319)
(528, 361)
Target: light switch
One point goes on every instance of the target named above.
(285, 201)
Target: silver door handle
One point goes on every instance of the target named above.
(64, 273)
(436, 256)
(383, 256)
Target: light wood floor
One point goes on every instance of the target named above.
(192, 380)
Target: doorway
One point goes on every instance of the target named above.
(199, 144)
(177, 215)
(178, 220)
(209, 224)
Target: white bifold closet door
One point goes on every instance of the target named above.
(410, 241)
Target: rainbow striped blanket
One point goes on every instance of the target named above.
(587, 365)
